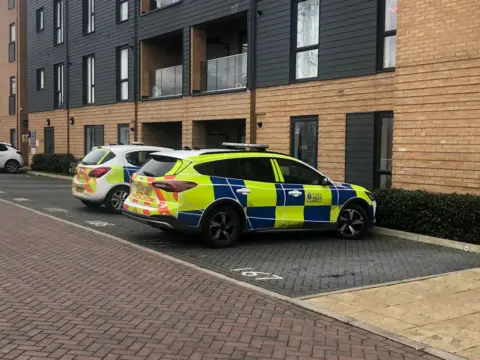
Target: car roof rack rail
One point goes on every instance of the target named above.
(249, 147)
(138, 143)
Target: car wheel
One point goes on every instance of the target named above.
(91, 205)
(352, 222)
(115, 199)
(222, 227)
(12, 166)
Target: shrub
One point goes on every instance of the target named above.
(57, 163)
(449, 216)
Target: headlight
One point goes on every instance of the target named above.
(370, 195)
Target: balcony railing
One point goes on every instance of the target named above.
(166, 82)
(157, 4)
(226, 73)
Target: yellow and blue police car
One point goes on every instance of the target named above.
(242, 188)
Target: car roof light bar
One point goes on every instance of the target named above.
(240, 146)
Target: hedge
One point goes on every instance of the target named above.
(57, 163)
(448, 216)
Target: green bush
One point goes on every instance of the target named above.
(56, 163)
(448, 216)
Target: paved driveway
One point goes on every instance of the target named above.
(293, 264)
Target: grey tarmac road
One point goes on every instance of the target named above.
(292, 264)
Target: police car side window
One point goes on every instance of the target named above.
(3, 147)
(255, 169)
(296, 173)
(213, 168)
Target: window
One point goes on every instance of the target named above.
(11, 4)
(40, 79)
(58, 86)
(122, 10)
(122, 74)
(3, 148)
(252, 169)
(123, 134)
(88, 16)
(58, 22)
(138, 158)
(89, 79)
(94, 136)
(384, 149)
(98, 157)
(49, 140)
(11, 43)
(296, 173)
(307, 27)
(304, 139)
(157, 4)
(40, 20)
(387, 34)
(12, 98)
(158, 166)
(13, 137)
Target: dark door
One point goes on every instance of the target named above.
(49, 140)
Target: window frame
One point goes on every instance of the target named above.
(89, 90)
(306, 118)
(88, 10)
(45, 131)
(377, 172)
(40, 15)
(12, 98)
(120, 80)
(94, 127)
(119, 11)
(295, 50)
(382, 35)
(123, 126)
(12, 40)
(58, 22)
(11, 4)
(59, 86)
(40, 79)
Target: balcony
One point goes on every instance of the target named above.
(226, 73)
(166, 82)
(151, 5)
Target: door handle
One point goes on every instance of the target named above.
(295, 193)
(243, 191)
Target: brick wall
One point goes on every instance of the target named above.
(331, 101)
(437, 96)
(58, 120)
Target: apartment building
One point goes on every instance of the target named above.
(13, 73)
(374, 92)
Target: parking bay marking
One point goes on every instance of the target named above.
(20, 199)
(99, 223)
(55, 210)
(249, 272)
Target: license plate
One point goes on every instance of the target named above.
(79, 189)
(144, 192)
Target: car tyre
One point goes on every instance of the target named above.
(91, 205)
(12, 166)
(222, 227)
(115, 199)
(352, 222)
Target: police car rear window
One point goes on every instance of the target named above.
(157, 167)
(97, 157)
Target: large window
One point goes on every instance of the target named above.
(304, 139)
(49, 140)
(40, 19)
(123, 134)
(88, 16)
(58, 86)
(13, 92)
(94, 136)
(89, 79)
(40, 79)
(13, 137)
(384, 149)
(122, 73)
(388, 34)
(12, 35)
(58, 22)
(305, 54)
(122, 10)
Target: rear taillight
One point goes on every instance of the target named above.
(98, 172)
(174, 186)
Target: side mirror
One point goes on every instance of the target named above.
(326, 181)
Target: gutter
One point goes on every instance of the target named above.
(136, 69)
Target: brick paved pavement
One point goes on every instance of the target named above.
(71, 294)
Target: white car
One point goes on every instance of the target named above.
(103, 176)
(11, 160)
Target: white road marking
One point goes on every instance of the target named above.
(248, 272)
(99, 223)
(55, 210)
(21, 199)
(242, 269)
(2, 192)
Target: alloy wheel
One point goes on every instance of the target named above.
(222, 227)
(11, 167)
(118, 198)
(350, 223)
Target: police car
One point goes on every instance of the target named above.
(242, 188)
(103, 175)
